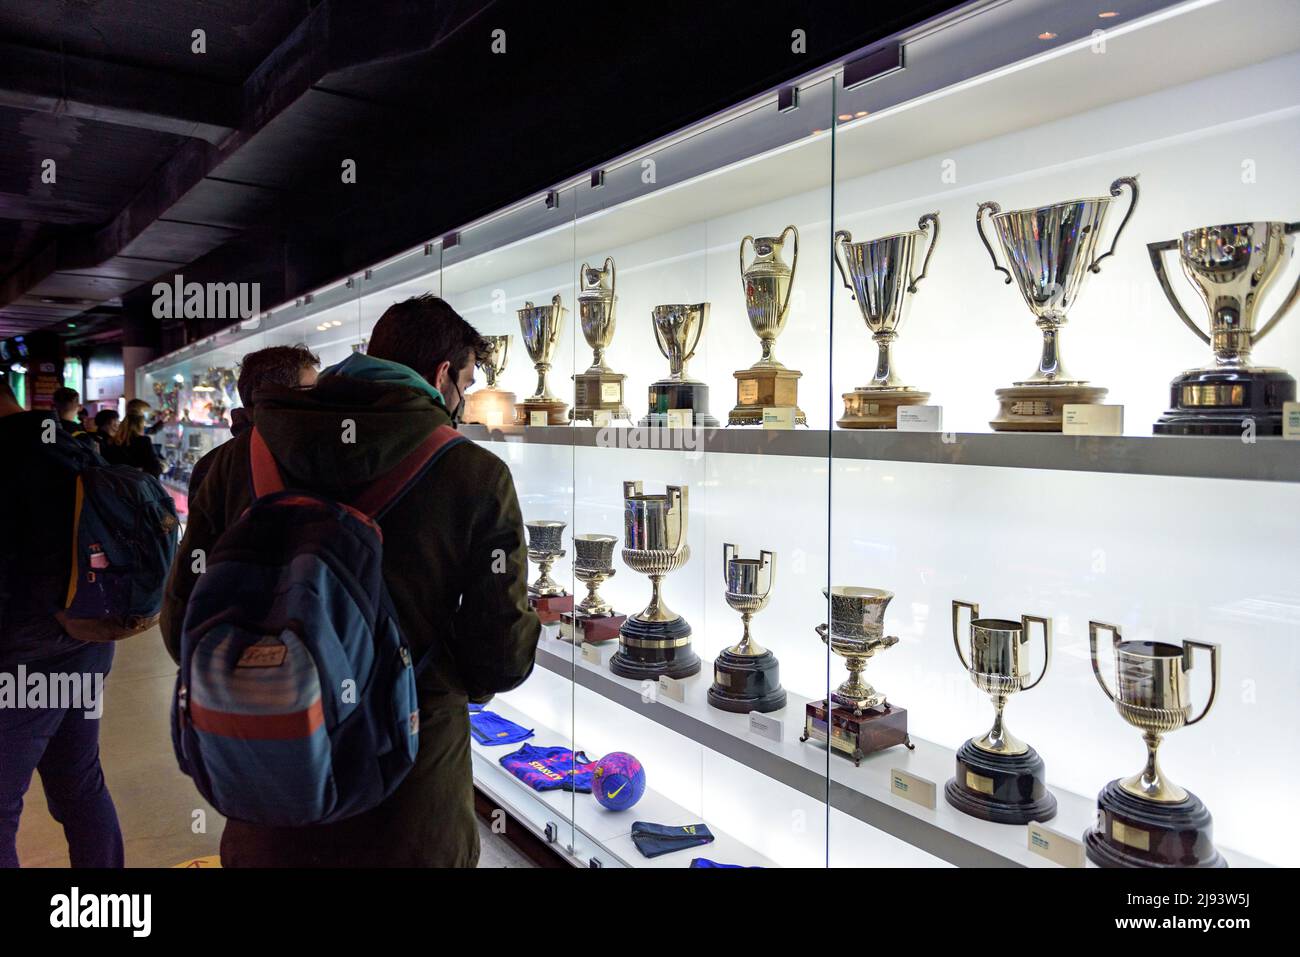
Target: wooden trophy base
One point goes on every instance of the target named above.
(648, 649)
(557, 411)
(1004, 788)
(598, 392)
(856, 736)
(549, 608)
(877, 408)
(765, 387)
(1032, 407)
(491, 407)
(745, 683)
(590, 629)
(1218, 401)
(1131, 832)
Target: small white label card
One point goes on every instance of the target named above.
(764, 726)
(681, 418)
(911, 788)
(551, 629)
(601, 418)
(537, 418)
(591, 653)
(1055, 846)
(672, 688)
(920, 418)
(778, 417)
(1291, 420)
(1087, 419)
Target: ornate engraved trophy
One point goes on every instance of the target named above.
(768, 282)
(1051, 251)
(656, 641)
(1232, 267)
(746, 676)
(489, 405)
(593, 620)
(545, 546)
(999, 777)
(599, 388)
(541, 326)
(678, 330)
(1146, 820)
(857, 719)
(881, 273)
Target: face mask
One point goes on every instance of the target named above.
(460, 407)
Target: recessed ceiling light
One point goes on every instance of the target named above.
(1107, 14)
(860, 113)
(845, 116)
(1047, 36)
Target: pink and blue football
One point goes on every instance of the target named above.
(618, 781)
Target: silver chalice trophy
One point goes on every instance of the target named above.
(678, 331)
(599, 389)
(1050, 252)
(768, 282)
(541, 327)
(746, 676)
(490, 405)
(593, 620)
(545, 547)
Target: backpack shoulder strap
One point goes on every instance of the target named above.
(385, 492)
(266, 474)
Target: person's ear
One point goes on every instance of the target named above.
(441, 376)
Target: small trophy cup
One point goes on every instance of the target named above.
(1146, 820)
(857, 719)
(746, 676)
(540, 326)
(489, 405)
(546, 595)
(768, 282)
(678, 330)
(1232, 267)
(599, 389)
(999, 777)
(656, 641)
(1051, 251)
(593, 620)
(881, 273)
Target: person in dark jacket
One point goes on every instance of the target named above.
(130, 446)
(455, 562)
(55, 737)
(106, 426)
(66, 401)
(293, 367)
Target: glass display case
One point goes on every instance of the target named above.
(812, 538)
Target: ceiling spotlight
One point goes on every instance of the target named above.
(860, 113)
(844, 116)
(1047, 36)
(1107, 14)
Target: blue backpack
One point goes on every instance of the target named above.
(296, 702)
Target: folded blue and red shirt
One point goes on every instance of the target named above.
(551, 769)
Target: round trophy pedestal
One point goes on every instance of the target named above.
(672, 394)
(1035, 407)
(1132, 832)
(1218, 401)
(557, 411)
(745, 683)
(648, 649)
(877, 408)
(1004, 788)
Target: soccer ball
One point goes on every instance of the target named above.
(618, 781)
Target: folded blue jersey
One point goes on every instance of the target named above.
(551, 769)
(705, 862)
(655, 839)
(488, 727)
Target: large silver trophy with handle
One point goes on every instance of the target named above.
(746, 676)
(679, 327)
(540, 326)
(600, 388)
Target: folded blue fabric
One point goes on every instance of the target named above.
(705, 862)
(488, 727)
(653, 840)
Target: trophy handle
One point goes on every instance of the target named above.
(750, 240)
(821, 632)
(1047, 643)
(1115, 190)
(1188, 646)
(557, 306)
(934, 241)
(728, 553)
(1093, 628)
(794, 262)
(842, 236)
(769, 561)
(699, 334)
(957, 606)
(1287, 303)
(613, 278)
(678, 493)
(1156, 251)
(992, 209)
(631, 488)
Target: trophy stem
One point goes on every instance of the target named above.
(657, 610)
(999, 740)
(542, 388)
(545, 584)
(768, 358)
(1050, 366)
(885, 377)
(1152, 784)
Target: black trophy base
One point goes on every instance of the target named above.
(1219, 401)
(1132, 832)
(669, 394)
(745, 683)
(1003, 788)
(648, 649)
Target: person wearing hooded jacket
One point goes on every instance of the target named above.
(455, 563)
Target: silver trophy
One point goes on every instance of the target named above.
(679, 327)
(593, 565)
(489, 405)
(600, 388)
(540, 326)
(746, 675)
(545, 546)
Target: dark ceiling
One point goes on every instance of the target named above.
(226, 165)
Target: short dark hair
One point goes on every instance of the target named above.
(423, 332)
(278, 365)
(105, 416)
(65, 399)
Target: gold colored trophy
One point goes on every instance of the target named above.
(489, 405)
(541, 326)
(599, 389)
(768, 283)
(593, 620)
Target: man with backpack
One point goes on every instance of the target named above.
(389, 577)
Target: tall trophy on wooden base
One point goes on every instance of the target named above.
(1050, 252)
(600, 388)
(678, 331)
(489, 405)
(1146, 820)
(541, 326)
(768, 282)
(1232, 266)
(881, 274)
(999, 777)
(593, 620)
(746, 676)
(545, 545)
(857, 720)
(657, 640)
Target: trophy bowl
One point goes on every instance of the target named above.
(678, 330)
(593, 565)
(596, 307)
(768, 282)
(856, 633)
(540, 328)
(545, 545)
(493, 363)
